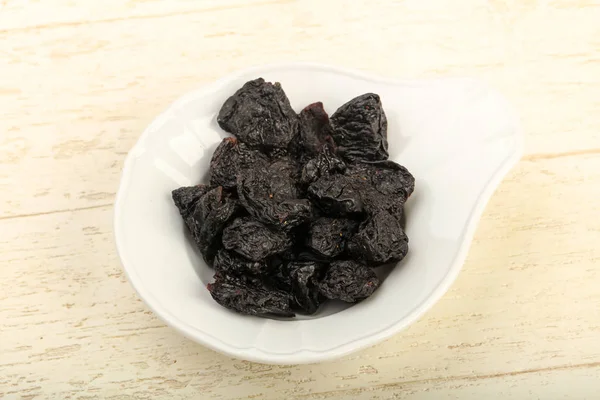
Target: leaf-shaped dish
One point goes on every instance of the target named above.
(458, 138)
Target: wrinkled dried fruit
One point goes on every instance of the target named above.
(314, 131)
(324, 164)
(254, 240)
(230, 263)
(360, 129)
(336, 196)
(387, 177)
(250, 300)
(270, 196)
(328, 236)
(230, 159)
(305, 289)
(206, 222)
(259, 114)
(300, 207)
(380, 240)
(348, 281)
(185, 198)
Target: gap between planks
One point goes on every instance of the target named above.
(448, 379)
(56, 211)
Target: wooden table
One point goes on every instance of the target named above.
(79, 81)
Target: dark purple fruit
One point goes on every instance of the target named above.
(259, 114)
(348, 281)
(360, 129)
(254, 240)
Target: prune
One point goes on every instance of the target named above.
(380, 240)
(314, 131)
(305, 289)
(260, 115)
(327, 236)
(300, 207)
(279, 276)
(206, 222)
(383, 185)
(230, 159)
(254, 240)
(348, 281)
(270, 197)
(360, 129)
(336, 196)
(324, 164)
(387, 177)
(283, 175)
(250, 300)
(230, 263)
(185, 198)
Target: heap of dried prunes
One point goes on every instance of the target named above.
(299, 208)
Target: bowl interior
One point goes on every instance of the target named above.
(456, 136)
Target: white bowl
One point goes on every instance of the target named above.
(457, 136)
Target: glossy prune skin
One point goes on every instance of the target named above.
(230, 263)
(271, 196)
(360, 129)
(250, 299)
(305, 286)
(383, 185)
(254, 240)
(386, 177)
(380, 240)
(314, 131)
(336, 196)
(231, 158)
(185, 198)
(259, 114)
(279, 277)
(206, 223)
(348, 281)
(300, 207)
(325, 163)
(327, 237)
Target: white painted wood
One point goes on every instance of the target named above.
(80, 80)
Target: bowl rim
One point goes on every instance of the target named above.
(305, 356)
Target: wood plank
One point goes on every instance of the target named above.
(73, 100)
(546, 384)
(521, 316)
(25, 15)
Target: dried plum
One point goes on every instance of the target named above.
(327, 236)
(314, 131)
(305, 286)
(279, 276)
(249, 299)
(360, 129)
(254, 240)
(336, 196)
(380, 240)
(348, 281)
(185, 198)
(299, 207)
(260, 115)
(206, 222)
(324, 164)
(270, 197)
(231, 158)
(230, 263)
(387, 177)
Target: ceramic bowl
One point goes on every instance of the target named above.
(457, 136)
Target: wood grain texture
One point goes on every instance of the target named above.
(80, 80)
